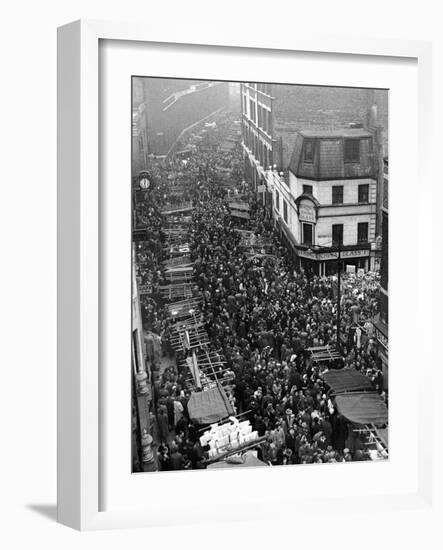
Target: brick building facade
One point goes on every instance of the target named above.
(276, 120)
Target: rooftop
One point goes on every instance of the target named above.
(336, 133)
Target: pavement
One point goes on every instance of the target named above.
(165, 362)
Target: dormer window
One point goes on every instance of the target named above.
(309, 151)
(352, 150)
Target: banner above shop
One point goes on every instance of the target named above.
(324, 256)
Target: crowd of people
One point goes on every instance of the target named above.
(262, 313)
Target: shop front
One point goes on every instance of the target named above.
(381, 334)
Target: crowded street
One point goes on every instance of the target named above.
(243, 342)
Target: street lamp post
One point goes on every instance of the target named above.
(338, 296)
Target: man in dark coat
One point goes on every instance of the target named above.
(177, 461)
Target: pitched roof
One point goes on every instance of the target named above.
(327, 154)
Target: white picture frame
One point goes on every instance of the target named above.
(80, 414)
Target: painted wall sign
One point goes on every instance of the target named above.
(306, 213)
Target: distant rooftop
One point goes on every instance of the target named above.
(336, 133)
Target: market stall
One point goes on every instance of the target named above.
(209, 406)
(363, 408)
(346, 380)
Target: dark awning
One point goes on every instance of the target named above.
(347, 380)
(363, 408)
(209, 406)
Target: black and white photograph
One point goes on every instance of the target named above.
(259, 274)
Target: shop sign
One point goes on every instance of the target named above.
(324, 256)
(261, 189)
(145, 289)
(381, 338)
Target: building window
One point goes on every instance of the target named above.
(135, 349)
(307, 189)
(385, 193)
(285, 211)
(337, 234)
(277, 200)
(265, 119)
(251, 110)
(384, 278)
(363, 193)
(309, 151)
(307, 233)
(362, 232)
(337, 194)
(260, 118)
(352, 150)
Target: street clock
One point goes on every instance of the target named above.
(145, 183)
(145, 180)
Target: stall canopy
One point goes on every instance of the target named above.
(321, 354)
(240, 214)
(363, 408)
(239, 205)
(347, 380)
(209, 406)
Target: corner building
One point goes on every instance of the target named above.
(329, 203)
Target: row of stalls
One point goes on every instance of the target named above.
(352, 394)
(229, 439)
(364, 409)
(233, 442)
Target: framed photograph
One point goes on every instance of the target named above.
(232, 249)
